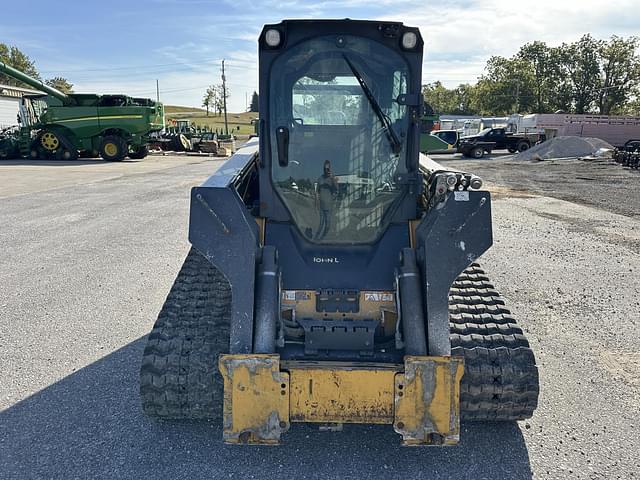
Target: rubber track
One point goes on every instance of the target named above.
(179, 376)
(501, 378)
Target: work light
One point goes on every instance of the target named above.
(409, 40)
(272, 37)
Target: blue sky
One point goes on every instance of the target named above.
(123, 46)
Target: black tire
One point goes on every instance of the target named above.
(181, 143)
(140, 153)
(89, 154)
(66, 154)
(501, 377)
(67, 151)
(179, 376)
(113, 148)
(512, 150)
(8, 150)
(522, 146)
(476, 152)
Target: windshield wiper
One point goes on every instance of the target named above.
(394, 141)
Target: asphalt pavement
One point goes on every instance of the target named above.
(87, 259)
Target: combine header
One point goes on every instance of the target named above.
(62, 126)
(331, 277)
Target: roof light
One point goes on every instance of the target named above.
(272, 37)
(409, 40)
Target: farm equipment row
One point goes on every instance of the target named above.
(203, 142)
(629, 154)
(55, 125)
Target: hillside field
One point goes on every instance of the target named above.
(199, 117)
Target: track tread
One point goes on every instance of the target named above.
(500, 382)
(178, 376)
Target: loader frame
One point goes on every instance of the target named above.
(264, 395)
(241, 226)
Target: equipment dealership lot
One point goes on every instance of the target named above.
(90, 249)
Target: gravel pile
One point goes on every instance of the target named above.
(563, 147)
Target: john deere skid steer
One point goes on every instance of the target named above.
(331, 277)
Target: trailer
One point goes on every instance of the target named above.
(614, 129)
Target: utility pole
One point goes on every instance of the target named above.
(157, 90)
(224, 100)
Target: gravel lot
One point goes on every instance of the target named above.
(600, 183)
(88, 258)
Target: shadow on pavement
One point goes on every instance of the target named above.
(444, 157)
(61, 163)
(89, 425)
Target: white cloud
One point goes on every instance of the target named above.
(460, 35)
(472, 31)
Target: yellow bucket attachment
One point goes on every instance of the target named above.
(263, 395)
(256, 399)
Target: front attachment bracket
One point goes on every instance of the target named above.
(427, 400)
(256, 399)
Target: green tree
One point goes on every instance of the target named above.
(455, 101)
(542, 68)
(507, 87)
(580, 71)
(254, 102)
(588, 75)
(441, 99)
(218, 98)
(559, 91)
(60, 83)
(464, 100)
(619, 73)
(208, 98)
(632, 107)
(13, 57)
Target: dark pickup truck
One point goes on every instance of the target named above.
(475, 146)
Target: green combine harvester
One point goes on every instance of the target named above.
(55, 125)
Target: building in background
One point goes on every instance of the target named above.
(615, 129)
(470, 124)
(10, 103)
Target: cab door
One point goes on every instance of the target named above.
(497, 136)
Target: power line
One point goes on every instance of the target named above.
(193, 64)
(129, 67)
(172, 90)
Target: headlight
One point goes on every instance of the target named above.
(272, 37)
(409, 40)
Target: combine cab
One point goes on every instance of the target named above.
(62, 126)
(331, 277)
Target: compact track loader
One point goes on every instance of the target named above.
(331, 277)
